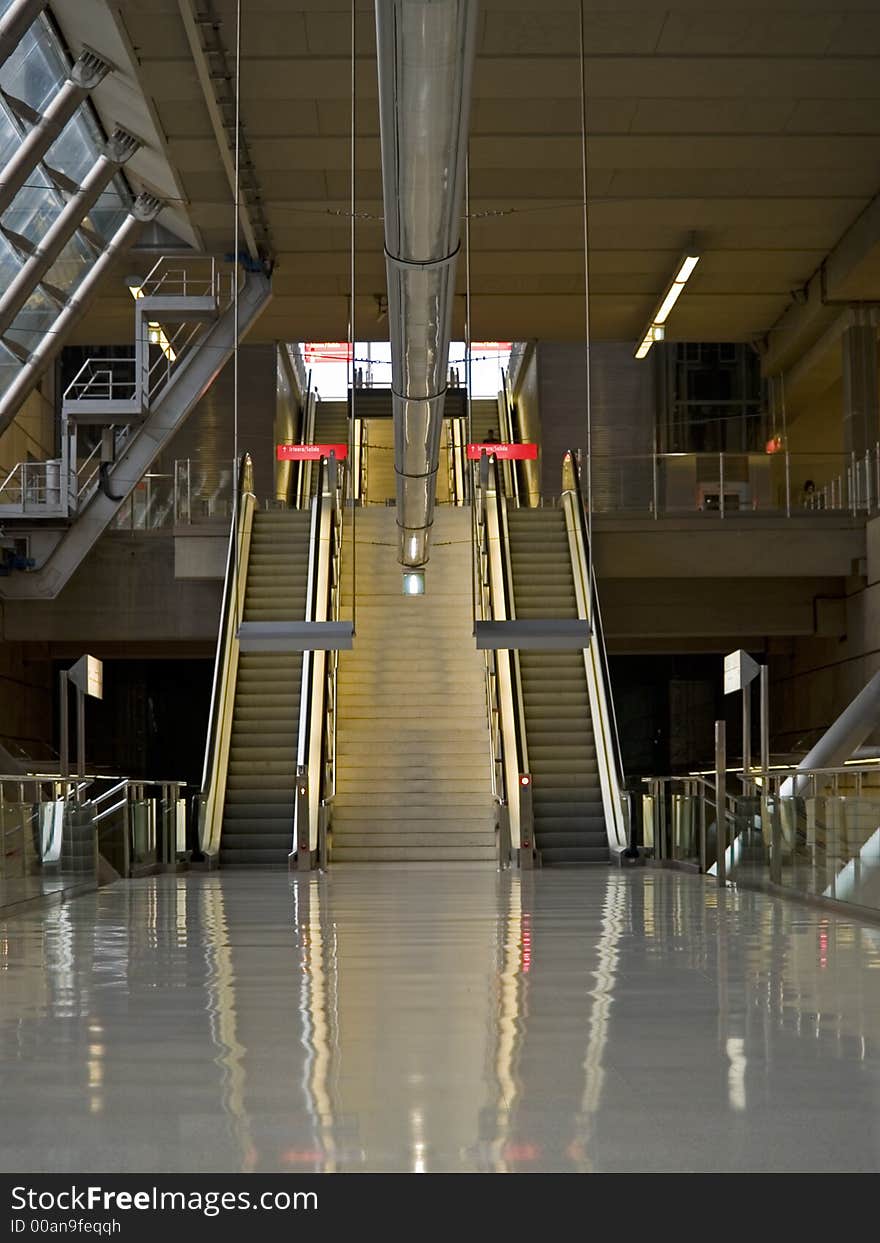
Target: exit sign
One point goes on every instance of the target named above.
(309, 453)
(507, 452)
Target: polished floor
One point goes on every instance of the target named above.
(438, 1019)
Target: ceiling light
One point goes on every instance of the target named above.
(655, 330)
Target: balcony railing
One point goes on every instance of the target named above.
(724, 485)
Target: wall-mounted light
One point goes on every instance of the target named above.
(656, 330)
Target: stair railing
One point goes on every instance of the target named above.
(608, 752)
(213, 788)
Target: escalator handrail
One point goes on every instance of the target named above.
(245, 486)
(302, 756)
(509, 607)
(595, 622)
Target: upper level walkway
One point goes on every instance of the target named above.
(438, 1019)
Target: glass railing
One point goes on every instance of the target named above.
(184, 496)
(55, 828)
(814, 832)
(732, 485)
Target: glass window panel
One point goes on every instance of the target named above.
(35, 69)
(74, 150)
(34, 320)
(9, 366)
(34, 208)
(71, 265)
(9, 136)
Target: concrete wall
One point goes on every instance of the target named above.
(32, 435)
(623, 404)
(815, 678)
(124, 593)
(26, 698)
(207, 436)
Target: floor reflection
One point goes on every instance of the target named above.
(428, 1020)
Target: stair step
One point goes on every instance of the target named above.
(415, 854)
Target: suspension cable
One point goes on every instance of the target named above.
(588, 393)
(236, 194)
(351, 326)
(468, 479)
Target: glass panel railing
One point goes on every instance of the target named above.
(726, 485)
(822, 842)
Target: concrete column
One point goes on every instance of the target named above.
(861, 399)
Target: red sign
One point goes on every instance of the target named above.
(326, 351)
(309, 453)
(507, 452)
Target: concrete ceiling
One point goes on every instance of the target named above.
(756, 125)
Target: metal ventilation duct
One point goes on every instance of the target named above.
(426, 54)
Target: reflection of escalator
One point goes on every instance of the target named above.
(258, 811)
(568, 806)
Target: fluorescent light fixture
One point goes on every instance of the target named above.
(669, 302)
(414, 583)
(688, 265)
(655, 330)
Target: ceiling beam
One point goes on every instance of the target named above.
(225, 140)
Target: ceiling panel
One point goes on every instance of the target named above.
(755, 124)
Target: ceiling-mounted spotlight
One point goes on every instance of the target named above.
(656, 329)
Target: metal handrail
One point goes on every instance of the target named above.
(506, 590)
(245, 485)
(595, 622)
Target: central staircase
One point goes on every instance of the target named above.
(413, 778)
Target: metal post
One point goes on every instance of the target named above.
(80, 733)
(654, 470)
(721, 483)
(303, 839)
(765, 723)
(854, 485)
(526, 822)
(64, 725)
(787, 484)
(869, 500)
(747, 736)
(721, 801)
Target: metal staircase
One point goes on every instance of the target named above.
(119, 414)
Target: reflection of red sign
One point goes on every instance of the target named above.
(774, 444)
(309, 453)
(327, 352)
(510, 453)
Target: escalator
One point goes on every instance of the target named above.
(568, 811)
(557, 737)
(258, 807)
(331, 428)
(265, 774)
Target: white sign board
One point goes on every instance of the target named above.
(739, 671)
(88, 675)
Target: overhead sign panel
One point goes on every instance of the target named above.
(88, 675)
(739, 671)
(309, 453)
(507, 452)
